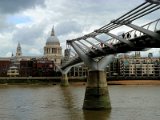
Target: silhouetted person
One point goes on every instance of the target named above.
(102, 44)
(128, 35)
(135, 35)
(123, 35)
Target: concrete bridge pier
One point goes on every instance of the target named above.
(64, 80)
(97, 95)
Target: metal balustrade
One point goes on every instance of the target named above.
(152, 26)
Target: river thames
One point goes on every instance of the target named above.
(57, 103)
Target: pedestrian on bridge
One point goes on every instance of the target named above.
(123, 35)
(128, 35)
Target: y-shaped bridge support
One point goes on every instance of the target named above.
(64, 78)
(64, 72)
(96, 95)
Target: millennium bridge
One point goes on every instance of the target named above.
(97, 53)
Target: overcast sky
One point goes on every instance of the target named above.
(30, 21)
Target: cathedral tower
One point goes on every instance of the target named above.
(52, 49)
(19, 51)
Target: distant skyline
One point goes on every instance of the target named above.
(30, 21)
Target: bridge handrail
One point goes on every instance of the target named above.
(136, 35)
(115, 41)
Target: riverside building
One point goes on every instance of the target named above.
(135, 67)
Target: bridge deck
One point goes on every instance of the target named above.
(140, 43)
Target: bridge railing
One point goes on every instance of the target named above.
(152, 26)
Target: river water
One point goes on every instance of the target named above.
(58, 103)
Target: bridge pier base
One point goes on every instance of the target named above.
(64, 80)
(97, 95)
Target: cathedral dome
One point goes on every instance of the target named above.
(52, 40)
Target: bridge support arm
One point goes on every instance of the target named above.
(87, 60)
(145, 31)
(100, 65)
(106, 60)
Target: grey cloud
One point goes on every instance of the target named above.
(67, 27)
(28, 35)
(99, 6)
(96, 12)
(4, 26)
(2, 22)
(13, 6)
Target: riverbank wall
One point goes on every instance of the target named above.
(55, 80)
(134, 82)
(41, 80)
